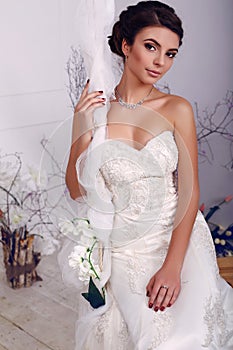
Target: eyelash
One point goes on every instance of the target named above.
(149, 47)
(169, 54)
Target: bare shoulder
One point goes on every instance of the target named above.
(175, 108)
(183, 118)
(180, 109)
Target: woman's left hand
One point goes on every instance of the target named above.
(163, 288)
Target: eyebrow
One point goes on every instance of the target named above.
(158, 44)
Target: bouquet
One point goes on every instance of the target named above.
(86, 258)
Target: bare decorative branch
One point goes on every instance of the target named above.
(76, 75)
(218, 122)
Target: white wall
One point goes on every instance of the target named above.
(35, 42)
(36, 37)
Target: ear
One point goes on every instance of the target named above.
(125, 47)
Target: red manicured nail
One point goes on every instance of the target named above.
(169, 305)
(150, 305)
(147, 294)
(88, 81)
(100, 91)
(156, 309)
(162, 308)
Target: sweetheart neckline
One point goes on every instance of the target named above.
(146, 144)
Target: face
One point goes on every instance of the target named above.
(152, 53)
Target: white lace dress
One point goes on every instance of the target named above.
(145, 199)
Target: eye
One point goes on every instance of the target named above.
(171, 54)
(150, 47)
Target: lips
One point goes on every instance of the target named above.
(153, 73)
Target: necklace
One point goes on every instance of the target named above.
(130, 105)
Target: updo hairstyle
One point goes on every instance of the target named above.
(137, 17)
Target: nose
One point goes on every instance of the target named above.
(159, 59)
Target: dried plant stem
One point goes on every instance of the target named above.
(19, 257)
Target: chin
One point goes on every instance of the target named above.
(153, 81)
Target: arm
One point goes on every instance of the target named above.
(188, 200)
(71, 178)
(81, 136)
(188, 186)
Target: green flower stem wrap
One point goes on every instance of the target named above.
(94, 297)
(89, 259)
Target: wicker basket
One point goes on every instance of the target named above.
(19, 257)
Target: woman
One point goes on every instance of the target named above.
(164, 284)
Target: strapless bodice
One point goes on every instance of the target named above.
(142, 182)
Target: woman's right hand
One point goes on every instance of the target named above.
(90, 100)
(81, 135)
(83, 113)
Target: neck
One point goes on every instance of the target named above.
(131, 91)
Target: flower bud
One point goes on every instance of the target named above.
(202, 207)
(228, 198)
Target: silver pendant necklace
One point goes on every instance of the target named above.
(130, 105)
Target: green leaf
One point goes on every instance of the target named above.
(86, 296)
(94, 296)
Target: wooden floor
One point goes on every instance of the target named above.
(40, 317)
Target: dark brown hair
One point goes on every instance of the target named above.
(137, 17)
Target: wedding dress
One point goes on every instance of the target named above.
(143, 190)
(132, 203)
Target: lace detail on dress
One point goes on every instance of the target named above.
(166, 152)
(202, 240)
(215, 316)
(162, 326)
(102, 326)
(130, 189)
(136, 269)
(123, 336)
(103, 331)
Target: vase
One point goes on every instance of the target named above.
(225, 265)
(19, 257)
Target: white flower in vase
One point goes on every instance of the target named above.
(7, 174)
(34, 179)
(17, 217)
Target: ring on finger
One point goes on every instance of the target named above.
(165, 287)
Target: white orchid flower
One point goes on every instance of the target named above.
(87, 237)
(81, 222)
(66, 227)
(76, 226)
(77, 257)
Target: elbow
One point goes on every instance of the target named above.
(74, 193)
(74, 196)
(73, 188)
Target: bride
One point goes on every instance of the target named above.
(162, 285)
